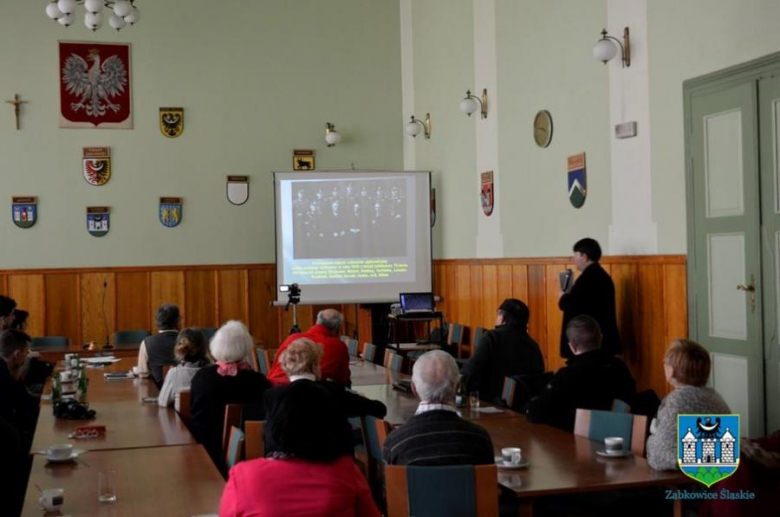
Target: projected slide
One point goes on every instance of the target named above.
(368, 230)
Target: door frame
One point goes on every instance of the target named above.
(750, 71)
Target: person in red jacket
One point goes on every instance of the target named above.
(334, 364)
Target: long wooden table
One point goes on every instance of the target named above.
(165, 481)
(129, 423)
(160, 469)
(365, 373)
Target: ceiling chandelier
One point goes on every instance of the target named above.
(123, 12)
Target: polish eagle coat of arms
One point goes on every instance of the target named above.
(95, 85)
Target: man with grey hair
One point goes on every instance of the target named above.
(436, 434)
(334, 364)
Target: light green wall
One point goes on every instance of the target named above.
(256, 79)
(545, 62)
(443, 70)
(686, 40)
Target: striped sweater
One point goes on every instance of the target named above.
(438, 437)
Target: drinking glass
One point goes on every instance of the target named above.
(474, 399)
(106, 489)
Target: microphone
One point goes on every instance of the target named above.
(105, 319)
(564, 279)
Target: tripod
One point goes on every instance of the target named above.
(294, 298)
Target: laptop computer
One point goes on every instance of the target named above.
(416, 303)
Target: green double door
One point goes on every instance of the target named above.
(733, 153)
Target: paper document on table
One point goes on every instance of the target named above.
(109, 359)
(490, 410)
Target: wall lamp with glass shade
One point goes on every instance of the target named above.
(472, 103)
(332, 137)
(414, 126)
(605, 48)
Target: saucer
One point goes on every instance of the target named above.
(616, 454)
(75, 453)
(511, 466)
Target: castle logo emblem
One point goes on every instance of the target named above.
(708, 446)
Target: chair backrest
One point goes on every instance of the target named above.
(344, 339)
(527, 386)
(478, 331)
(352, 347)
(369, 352)
(262, 361)
(235, 451)
(182, 404)
(232, 419)
(395, 362)
(130, 337)
(455, 338)
(596, 425)
(50, 343)
(620, 406)
(454, 490)
(208, 332)
(254, 442)
(508, 392)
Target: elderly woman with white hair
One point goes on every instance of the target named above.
(230, 381)
(436, 434)
(301, 363)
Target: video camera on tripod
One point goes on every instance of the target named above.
(293, 298)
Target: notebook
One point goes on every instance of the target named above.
(416, 302)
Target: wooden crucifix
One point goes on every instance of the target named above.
(16, 103)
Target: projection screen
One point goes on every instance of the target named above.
(353, 236)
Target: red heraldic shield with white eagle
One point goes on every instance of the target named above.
(95, 85)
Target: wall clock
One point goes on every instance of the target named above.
(543, 128)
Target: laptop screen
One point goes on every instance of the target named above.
(416, 302)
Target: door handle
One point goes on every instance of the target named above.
(750, 288)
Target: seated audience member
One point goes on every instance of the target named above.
(7, 306)
(17, 406)
(687, 368)
(591, 379)
(13, 473)
(190, 351)
(20, 320)
(301, 363)
(334, 364)
(230, 381)
(307, 475)
(436, 435)
(505, 351)
(157, 351)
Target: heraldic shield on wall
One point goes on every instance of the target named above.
(708, 446)
(172, 122)
(97, 165)
(486, 194)
(578, 186)
(24, 211)
(95, 86)
(238, 189)
(170, 211)
(98, 220)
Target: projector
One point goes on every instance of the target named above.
(395, 309)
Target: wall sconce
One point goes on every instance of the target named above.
(606, 50)
(332, 137)
(471, 103)
(414, 125)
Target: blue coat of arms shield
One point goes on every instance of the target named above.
(708, 446)
(578, 185)
(24, 211)
(98, 220)
(170, 211)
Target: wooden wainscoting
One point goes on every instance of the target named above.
(650, 292)
(89, 303)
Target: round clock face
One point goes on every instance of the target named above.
(543, 128)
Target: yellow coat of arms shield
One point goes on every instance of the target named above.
(172, 121)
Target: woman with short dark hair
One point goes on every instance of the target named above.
(307, 473)
(190, 351)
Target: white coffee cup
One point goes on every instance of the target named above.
(512, 455)
(52, 498)
(613, 444)
(62, 451)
